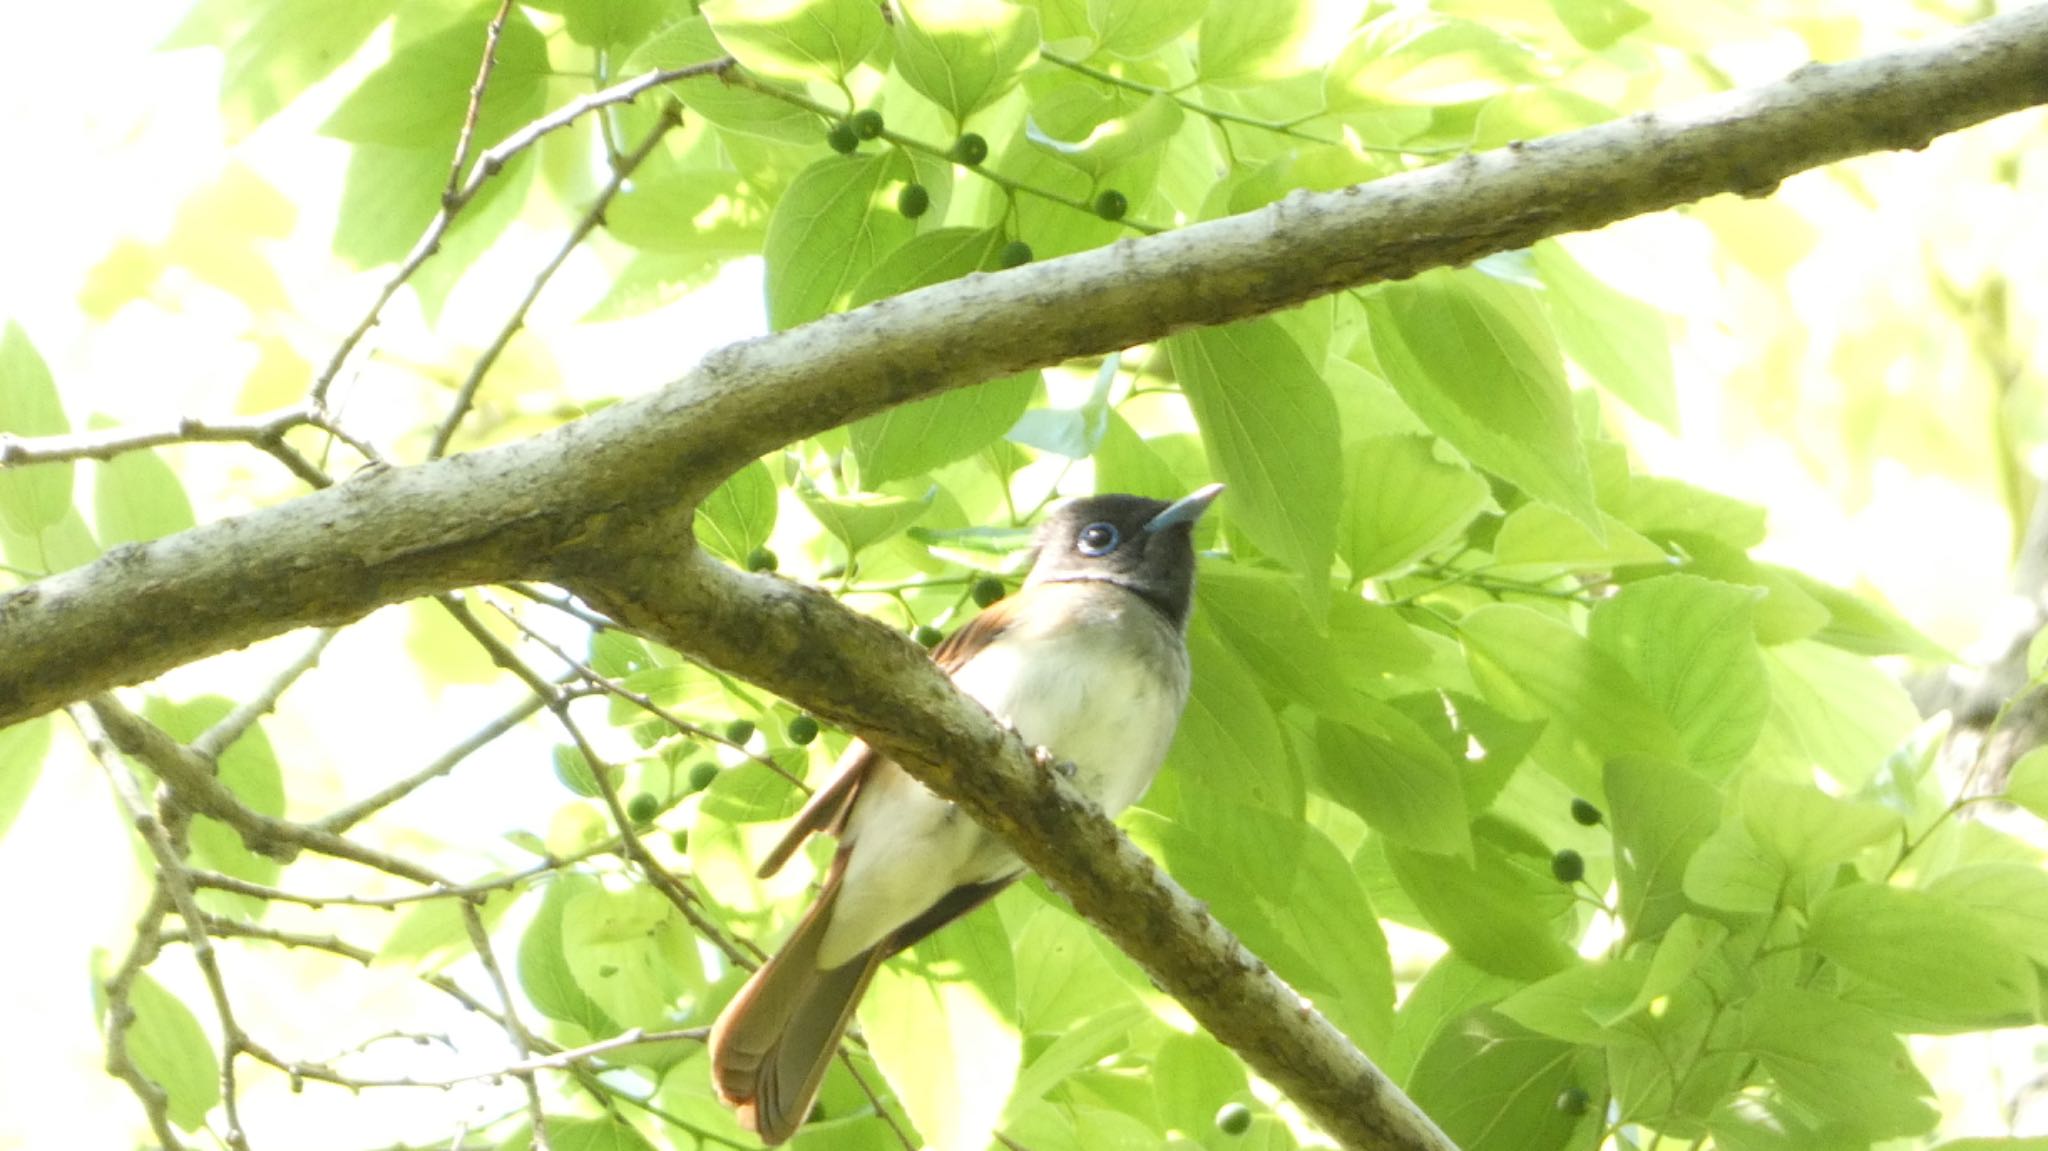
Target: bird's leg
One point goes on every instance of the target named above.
(1047, 761)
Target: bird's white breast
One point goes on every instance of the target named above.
(1094, 674)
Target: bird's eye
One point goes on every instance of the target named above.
(1097, 539)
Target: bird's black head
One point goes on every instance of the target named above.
(1138, 544)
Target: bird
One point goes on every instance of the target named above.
(1087, 661)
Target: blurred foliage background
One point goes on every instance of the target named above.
(201, 218)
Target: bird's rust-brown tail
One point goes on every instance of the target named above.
(772, 1044)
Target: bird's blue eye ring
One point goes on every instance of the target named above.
(1097, 539)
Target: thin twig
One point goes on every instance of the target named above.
(492, 35)
(192, 780)
(217, 738)
(340, 821)
(465, 395)
(489, 164)
(171, 877)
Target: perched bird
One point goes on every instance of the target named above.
(1088, 661)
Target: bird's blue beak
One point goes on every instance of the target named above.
(1185, 510)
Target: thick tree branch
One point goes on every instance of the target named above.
(494, 515)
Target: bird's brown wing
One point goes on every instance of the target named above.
(827, 808)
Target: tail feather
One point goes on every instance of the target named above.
(773, 1043)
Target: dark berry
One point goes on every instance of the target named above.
(739, 731)
(1574, 1101)
(1584, 813)
(681, 841)
(1568, 865)
(702, 775)
(970, 149)
(802, 730)
(1111, 205)
(762, 560)
(927, 636)
(1234, 1119)
(1015, 254)
(987, 590)
(867, 123)
(913, 201)
(643, 808)
(843, 138)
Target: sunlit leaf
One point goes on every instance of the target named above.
(35, 496)
(963, 54)
(1270, 428)
(1475, 359)
(797, 39)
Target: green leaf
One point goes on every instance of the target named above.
(137, 497)
(566, 1133)
(833, 223)
(631, 954)
(740, 515)
(22, 748)
(929, 433)
(751, 793)
(1270, 428)
(1403, 503)
(1245, 42)
(963, 54)
(1228, 739)
(1731, 871)
(1803, 828)
(1138, 28)
(1619, 340)
(1100, 133)
(1539, 541)
(607, 24)
(1126, 463)
(2011, 897)
(170, 1049)
(1475, 359)
(1690, 643)
(860, 520)
(544, 971)
(1497, 911)
(289, 46)
(1534, 667)
(941, 1024)
(1836, 1060)
(1491, 1085)
(1450, 990)
(420, 97)
(1581, 1002)
(36, 496)
(1992, 1143)
(1422, 59)
(431, 934)
(1263, 619)
(1948, 965)
(797, 39)
(46, 551)
(1195, 1074)
(1832, 710)
(1413, 799)
(1863, 626)
(1664, 508)
(731, 106)
(1660, 815)
(574, 771)
(1597, 24)
(248, 768)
